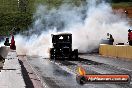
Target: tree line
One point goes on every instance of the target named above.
(117, 1)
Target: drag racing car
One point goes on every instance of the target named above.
(62, 47)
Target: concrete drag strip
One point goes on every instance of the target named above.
(31, 78)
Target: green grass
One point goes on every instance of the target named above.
(11, 16)
(122, 4)
(10, 20)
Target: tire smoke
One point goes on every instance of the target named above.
(88, 24)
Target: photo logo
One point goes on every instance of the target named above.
(83, 78)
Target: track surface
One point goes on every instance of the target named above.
(61, 74)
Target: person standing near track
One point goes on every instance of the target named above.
(130, 37)
(13, 46)
(110, 38)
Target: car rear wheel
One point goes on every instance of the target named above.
(52, 53)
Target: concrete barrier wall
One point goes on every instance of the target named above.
(121, 51)
(11, 75)
(4, 51)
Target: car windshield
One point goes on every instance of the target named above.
(61, 38)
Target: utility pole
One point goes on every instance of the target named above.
(22, 5)
(49, 2)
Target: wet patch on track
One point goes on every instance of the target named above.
(89, 62)
(66, 63)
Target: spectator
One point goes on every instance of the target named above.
(13, 46)
(110, 38)
(7, 42)
(130, 37)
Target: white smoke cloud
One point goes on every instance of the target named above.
(88, 26)
(1, 44)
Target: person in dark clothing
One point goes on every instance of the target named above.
(7, 42)
(130, 37)
(110, 38)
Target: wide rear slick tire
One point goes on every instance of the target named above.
(52, 53)
(75, 54)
